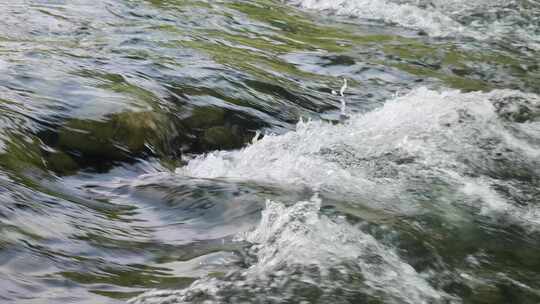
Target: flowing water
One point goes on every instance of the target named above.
(184, 151)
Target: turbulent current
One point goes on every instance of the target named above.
(514, 21)
(422, 155)
(168, 151)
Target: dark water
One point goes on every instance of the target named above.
(131, 166)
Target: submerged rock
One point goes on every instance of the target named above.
(127, 136)
(203, 117)
(221, 138)
(120, 137)
(213, 128)
(61, 163)
(64, 145)
(21, 154)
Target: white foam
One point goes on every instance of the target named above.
(299, 235)
(494, 204)
(378, 155)
(441, 18)
(482, 190)
(435, 23)
(292, 238)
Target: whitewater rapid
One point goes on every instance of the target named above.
(468, 140)
(466, 152)
(295, 245)
(513, 21)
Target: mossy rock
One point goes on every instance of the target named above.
(221, 138)
(205, 117)
(28, 154)
(61, 163)
(21, 154)
(120, 137)
(213, 128)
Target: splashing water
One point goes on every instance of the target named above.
(461, 138)
(296, 246)
(379, 155)
(381, 159)
(343, 107)
(478, 19)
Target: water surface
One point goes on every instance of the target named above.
(196, 151)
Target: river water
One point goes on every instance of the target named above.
(184, 151)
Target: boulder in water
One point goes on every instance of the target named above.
(120, 137)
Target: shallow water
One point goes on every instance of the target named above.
(196, 151)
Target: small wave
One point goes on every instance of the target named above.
(478, 19)
(405, 14)
(294, 248)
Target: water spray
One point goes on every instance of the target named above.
(341, 93)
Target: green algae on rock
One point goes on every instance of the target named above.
(118, 138)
